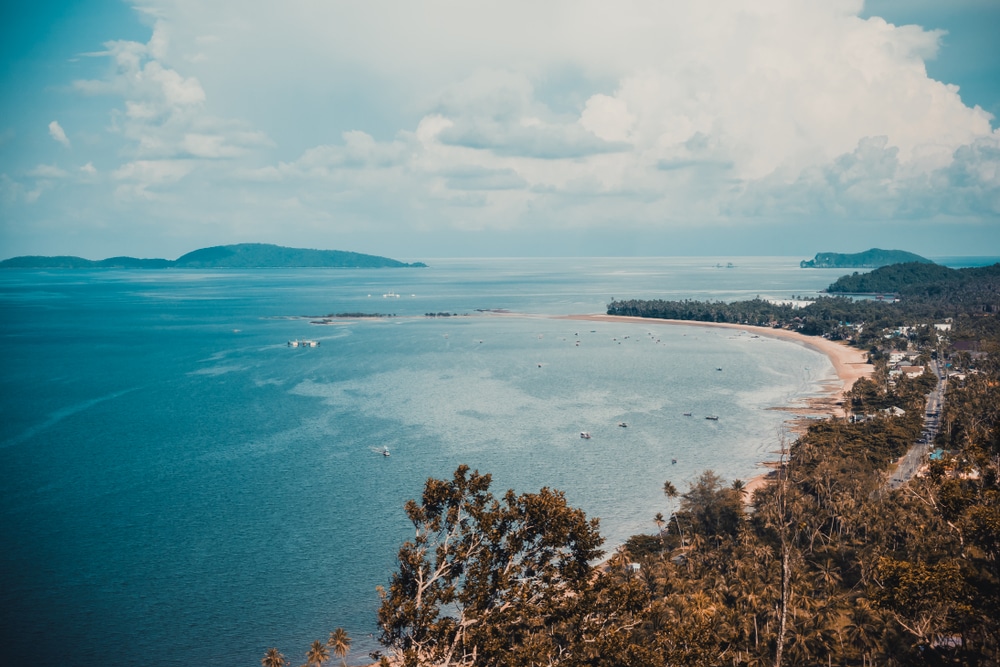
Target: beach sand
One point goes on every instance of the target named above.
(849, 363)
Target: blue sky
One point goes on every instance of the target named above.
(448, 128)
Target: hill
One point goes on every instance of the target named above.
(924, 281)
(239, 256)
(869, 259)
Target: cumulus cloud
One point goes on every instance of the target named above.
(164, 114)
(57, 133)
(517, 115)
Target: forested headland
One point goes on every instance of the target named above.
(826, 564)
(919, 295)
(869, 259)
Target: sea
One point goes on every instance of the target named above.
(182, 487)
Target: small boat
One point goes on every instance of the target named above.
(385, 451)
(687, 414)
(390, 295)
(719, 369)
(585, 435)
(673, 461)
(303, 343)
(623, 424)
(712, 417)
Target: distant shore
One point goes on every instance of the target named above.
(849, 363)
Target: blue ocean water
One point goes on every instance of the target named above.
(181, 487)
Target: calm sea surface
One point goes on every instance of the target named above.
(182, 488)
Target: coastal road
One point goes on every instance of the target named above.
(913, 459)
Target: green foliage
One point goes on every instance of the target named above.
(509, 581)
(867, 259)
(893, 278)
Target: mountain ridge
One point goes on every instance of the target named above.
(235, 256)
(869, 259)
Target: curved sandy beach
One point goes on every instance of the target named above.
(849, 363)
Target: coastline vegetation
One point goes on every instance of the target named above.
(922, 295)
(869, 259)
(826, 563)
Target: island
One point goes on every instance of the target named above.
(869, 259)
(238, 256)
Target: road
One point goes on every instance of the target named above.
(913, 459)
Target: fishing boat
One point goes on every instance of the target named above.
(712, 418)
(585, 435)
(687, 414)
(623, 424)
(303, 343)
(385, 451)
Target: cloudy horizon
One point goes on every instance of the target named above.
(446, 128)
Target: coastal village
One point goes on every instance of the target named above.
(875, 541)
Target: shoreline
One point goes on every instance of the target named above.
(850, 365)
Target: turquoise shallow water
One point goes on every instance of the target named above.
(183, 488)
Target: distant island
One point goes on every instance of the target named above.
(869, 259)
(239, 256)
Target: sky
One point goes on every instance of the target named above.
(475, 128)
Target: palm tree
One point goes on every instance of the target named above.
(273, 658)
(861, 629)
(318, 654)
(340, 643)
(670, 491)
(659, 521)
(828, 575)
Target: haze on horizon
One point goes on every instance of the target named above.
(445, 128)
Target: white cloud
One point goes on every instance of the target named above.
(608, 118)
(57, 133)
(47, 171)
(165, 113)
(514, 115)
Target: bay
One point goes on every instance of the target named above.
(183, 487)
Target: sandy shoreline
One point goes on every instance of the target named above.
(849, 363)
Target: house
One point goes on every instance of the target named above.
(912, 371)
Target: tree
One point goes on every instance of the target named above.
(710, 507)
(317, 654)
(340, 643)
(508, 581)
(273, 658)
